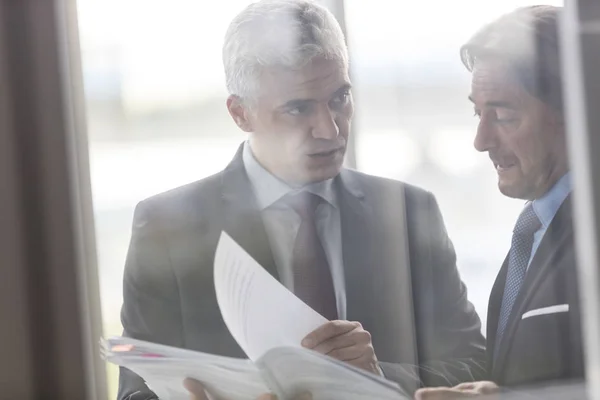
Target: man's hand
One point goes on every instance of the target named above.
(463, 391)
(197, 391)
(346, 341)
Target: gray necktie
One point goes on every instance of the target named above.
(313, 283)
(518, 258)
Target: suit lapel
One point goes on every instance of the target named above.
(356, 246)
(558, 234)
(376, 267)
(242, 219)
(493, 314)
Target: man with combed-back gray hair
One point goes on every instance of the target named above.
(369, 254)
(534, 319)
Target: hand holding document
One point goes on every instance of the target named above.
(269, 323)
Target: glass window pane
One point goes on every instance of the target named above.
(158, 120)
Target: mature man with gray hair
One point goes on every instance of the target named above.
(370, 254)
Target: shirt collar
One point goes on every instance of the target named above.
(269, 189)
(547, 206)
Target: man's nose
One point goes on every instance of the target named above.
(325, 126)
(485, 139)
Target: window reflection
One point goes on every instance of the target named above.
(155, 95)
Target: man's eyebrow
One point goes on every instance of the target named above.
(303, 102)
(496, 104)
(296, 103)
(500, 104)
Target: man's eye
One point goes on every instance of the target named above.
(341, 98)
(505, 118)
(298, 110)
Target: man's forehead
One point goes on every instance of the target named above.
(318, 77)
(493, 79)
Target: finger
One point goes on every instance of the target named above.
(195, 388)
(356, 337)
(466, 386)
(347, 354)
(480, 387)
(358, 353)
(440, 393)
(486, 387)
(336, 342)
(363, 359)
(328, 331)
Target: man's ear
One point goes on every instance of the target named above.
(240, 113)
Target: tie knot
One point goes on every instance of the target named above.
(528, 221)
(304, 203)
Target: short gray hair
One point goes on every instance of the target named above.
(527, 40)
(286, 33)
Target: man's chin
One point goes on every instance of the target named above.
(513, 190)
(322, 174)
(323, 177)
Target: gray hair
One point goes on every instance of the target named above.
(284, 33)
(527, 40)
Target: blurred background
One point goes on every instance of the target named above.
(156, 95)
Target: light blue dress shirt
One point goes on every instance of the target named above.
(546, 208)
(282, 223)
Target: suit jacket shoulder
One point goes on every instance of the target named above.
(378, 182)
(189, 203)
(386, 190)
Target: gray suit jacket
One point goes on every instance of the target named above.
(402, 283)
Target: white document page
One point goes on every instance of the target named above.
(164, 369)
(260, 312)
(292, 371)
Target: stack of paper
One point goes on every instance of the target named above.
(164, 369)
